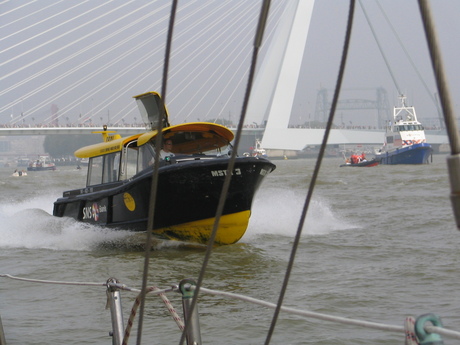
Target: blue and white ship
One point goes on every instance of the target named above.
(405, 141)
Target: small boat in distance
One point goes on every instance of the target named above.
(359, 161)
(257, 150)
(41, 164)
(192, 168)
(19, 173)
(405, 141)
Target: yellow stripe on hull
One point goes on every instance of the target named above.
(231, 228)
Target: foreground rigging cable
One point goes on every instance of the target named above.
(315, 172)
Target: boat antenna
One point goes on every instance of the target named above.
(403, 99)
(380, 48)
(153, 191)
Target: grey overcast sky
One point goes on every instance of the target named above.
(90, 57)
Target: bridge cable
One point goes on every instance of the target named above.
(410, 59)
(26, 16)
(380, 48)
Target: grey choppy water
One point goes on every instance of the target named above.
(379, 244)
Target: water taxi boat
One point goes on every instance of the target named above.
(405, 141)
(190, 180)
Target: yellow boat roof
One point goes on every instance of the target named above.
(211, 136)
(104, 148)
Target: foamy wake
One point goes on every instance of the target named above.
(278, 211)
(29, 224)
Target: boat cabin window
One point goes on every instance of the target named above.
(146, 156)
(103, 169)
(131, 152)
(402, 128)
(137, 158)
(94, 171)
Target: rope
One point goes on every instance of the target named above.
(442, 331)
(136, 305)
(155, 173)
(331, 318)
(320, 316)
(409, 329)
(440, 76)
(311, 187)
(52, 281)
(231, 163)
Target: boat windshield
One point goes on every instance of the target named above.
(110, 168)
(103, 169)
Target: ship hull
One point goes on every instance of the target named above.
(187, 197)
(415, 154)
(42, 168)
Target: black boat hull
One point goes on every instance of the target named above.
(187, 197)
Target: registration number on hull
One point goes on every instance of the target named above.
(237, 171)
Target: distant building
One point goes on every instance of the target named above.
(12, 147)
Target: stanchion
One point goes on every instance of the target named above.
(193, 335)
(2, 334)
(114, 302)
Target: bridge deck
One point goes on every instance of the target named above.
(292, 138)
